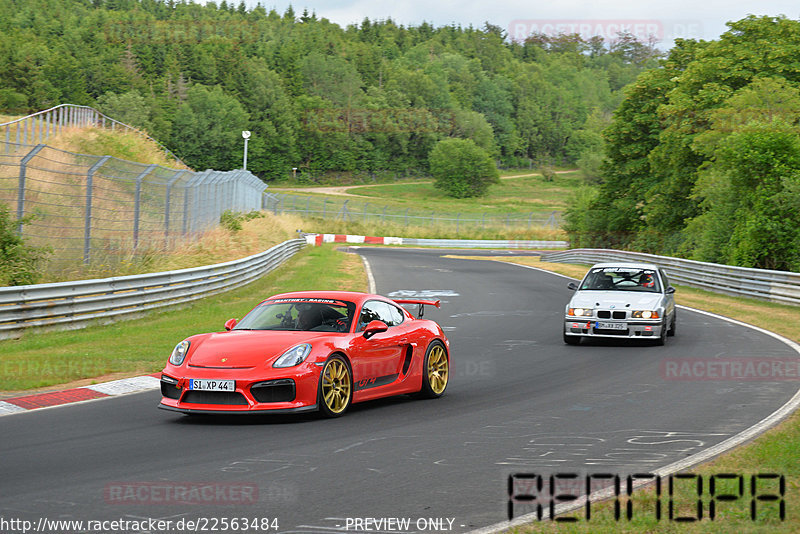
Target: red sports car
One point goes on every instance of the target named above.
(309, 350)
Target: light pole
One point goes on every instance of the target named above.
(246, 136)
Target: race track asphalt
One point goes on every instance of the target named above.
(519, 401)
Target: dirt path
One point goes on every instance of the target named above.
(342, 190)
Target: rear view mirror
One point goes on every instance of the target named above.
(573, 286)
(230, 323)
(670, 290)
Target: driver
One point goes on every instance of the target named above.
(309, 318)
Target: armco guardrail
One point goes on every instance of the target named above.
(482, 243)
(70, 305)
(318, 239)
(778, 286)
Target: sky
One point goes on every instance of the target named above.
(665, 20)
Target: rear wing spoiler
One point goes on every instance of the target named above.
(421, 303)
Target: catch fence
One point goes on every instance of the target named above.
(37, 127)
(92, 208)
(356, 210)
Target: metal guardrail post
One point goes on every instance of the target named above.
(87, 228)
(23, 164)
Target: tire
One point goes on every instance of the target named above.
(335, 390)
(673, 325)
(435, 371)
(571, 340)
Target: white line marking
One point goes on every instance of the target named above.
(371, 287)
(734, 441)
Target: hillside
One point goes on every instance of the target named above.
(368, 99)
(119, 144)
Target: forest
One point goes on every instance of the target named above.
(694, 153)
(702, 158)
(372, 98)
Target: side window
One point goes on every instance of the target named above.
(664, 279)
(369, 312)
(396, 315)
(380, 311)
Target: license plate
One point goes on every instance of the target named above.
(204, 384)
(611, 326)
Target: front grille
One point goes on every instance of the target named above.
(215, 397)
(605, 314)
(273, 391)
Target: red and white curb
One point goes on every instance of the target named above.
(318, 239)
(114, 388)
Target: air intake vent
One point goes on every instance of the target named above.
(273, 391)
(215, 397)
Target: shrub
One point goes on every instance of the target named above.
(19, 262)
(232, 220)
(461, 168)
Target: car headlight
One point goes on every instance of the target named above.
(179, 353)
(645, 314)
(580, 312)
(294, 356)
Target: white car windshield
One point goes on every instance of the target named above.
(621, 279)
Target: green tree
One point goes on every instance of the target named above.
(207, 131)
(461, 168)
(130, 108)
(747, 190)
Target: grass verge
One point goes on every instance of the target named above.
(213, 246)
(138, 346)
(774, 452)
(523, 194)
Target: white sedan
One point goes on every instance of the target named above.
(621, 300)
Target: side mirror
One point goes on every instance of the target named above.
(670, 290)
(375, 327)
(573, 286)
(230, 323)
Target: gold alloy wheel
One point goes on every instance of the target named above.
(438, 369)
(336, 386)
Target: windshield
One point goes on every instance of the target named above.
(621, 279)
(305, 314)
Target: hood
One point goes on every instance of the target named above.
(619, 299)
(244, 348)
